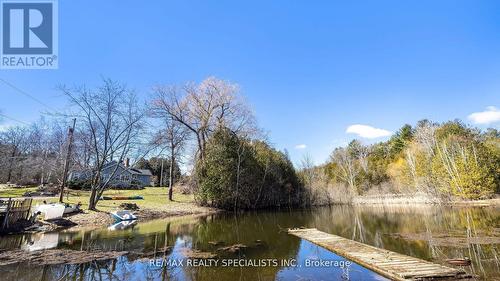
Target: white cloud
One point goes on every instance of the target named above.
(490, 115)
(367, 132)
(300, 146)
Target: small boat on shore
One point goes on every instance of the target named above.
(123, 215)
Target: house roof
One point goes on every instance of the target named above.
(145, 172)
(142, 172)
(134, 171)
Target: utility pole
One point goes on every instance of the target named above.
(68, 157)
(161, 173)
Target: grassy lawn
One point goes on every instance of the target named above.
(154, 198)
(6, 191)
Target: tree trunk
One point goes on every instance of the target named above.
(93, 193)
(94, 187)
(92, 199)
(171, 177)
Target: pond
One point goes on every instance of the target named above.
(254, 245)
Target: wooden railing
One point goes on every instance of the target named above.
(12, 210)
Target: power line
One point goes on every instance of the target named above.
(13, 119)
(26, 94)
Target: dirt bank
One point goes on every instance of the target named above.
(95, 219)
(88, 220)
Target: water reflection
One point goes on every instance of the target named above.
(431, 233)
(42, 241)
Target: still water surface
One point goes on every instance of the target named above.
(428, 232)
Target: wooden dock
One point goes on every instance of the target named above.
(386, 263)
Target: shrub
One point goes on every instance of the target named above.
(79, 184)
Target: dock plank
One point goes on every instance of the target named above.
(386, 263)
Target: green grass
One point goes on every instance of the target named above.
(155, 198)
(14, 192)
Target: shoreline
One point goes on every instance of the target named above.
(89, 220)
(421, 199)
(153, 205)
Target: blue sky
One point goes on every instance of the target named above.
(309, 69)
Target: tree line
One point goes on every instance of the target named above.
(447, 160)
(32, 154)
(177, 124)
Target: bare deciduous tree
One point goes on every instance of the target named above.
(202, 108)
(425, 136)
(308, 171)
(111, 120)
(30, 154)
(307, 167)
(16, 141)
(172, 136)
(347, 167)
